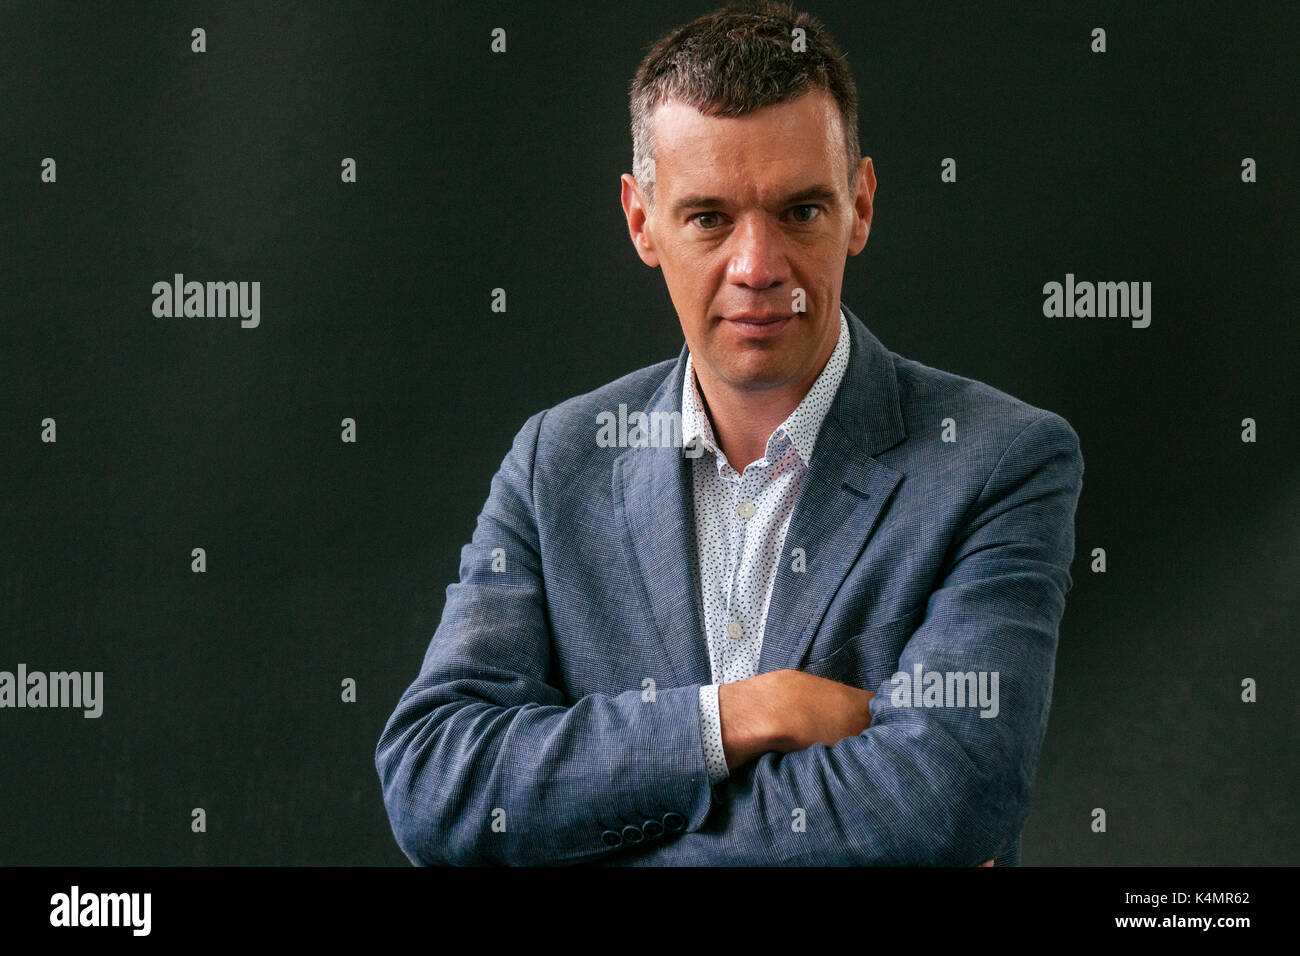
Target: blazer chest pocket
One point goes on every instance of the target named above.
(868, 658)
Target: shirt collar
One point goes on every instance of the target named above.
(800, 427)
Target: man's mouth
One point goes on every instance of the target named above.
(759, 324)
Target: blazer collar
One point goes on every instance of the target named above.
(843, 493)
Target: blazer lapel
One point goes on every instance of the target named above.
(843, 493)
(652, 503)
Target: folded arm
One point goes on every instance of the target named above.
(483, 762)
(929, 785)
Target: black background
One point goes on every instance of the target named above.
(477, 170)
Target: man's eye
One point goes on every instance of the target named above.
(698, 219)
(812, 208)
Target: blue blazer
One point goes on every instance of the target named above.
(555, 718)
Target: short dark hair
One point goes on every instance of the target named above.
(734, 61)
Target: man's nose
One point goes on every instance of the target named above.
(758, 257)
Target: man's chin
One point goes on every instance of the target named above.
(757, 375)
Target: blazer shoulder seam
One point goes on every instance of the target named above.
(1038, 419)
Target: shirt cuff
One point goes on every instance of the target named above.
(711, 734)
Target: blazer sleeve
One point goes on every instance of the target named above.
(930, 785)
(483, 762)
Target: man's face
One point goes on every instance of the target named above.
(748, 210)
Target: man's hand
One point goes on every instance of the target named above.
(788, 710)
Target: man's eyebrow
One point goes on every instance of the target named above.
(818, 192)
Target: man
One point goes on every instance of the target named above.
(821, 628)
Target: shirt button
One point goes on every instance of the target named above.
(733, 630)
(745, 509)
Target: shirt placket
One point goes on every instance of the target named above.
(742, 627)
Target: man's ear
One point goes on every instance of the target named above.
(863, 205)
(638, 221)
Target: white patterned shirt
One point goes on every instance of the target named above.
(740, 525)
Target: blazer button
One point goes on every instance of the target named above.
(632, 834)
(611, 838)
(674, 822)
(652, 829)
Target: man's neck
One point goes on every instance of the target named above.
(743, 420)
